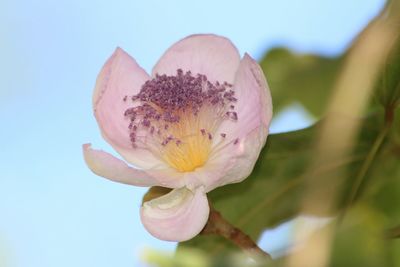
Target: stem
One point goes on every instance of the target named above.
(216, 224)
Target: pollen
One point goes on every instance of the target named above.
(177, 118)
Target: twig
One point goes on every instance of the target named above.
(216, 224)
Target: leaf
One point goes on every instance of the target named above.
(302, 78)
(361, 237)
(382, 186)
(357, 241)
(388, 85)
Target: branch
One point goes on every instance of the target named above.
(217, 225)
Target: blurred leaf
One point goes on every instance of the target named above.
(396, 128)
(359, 240)
(188, 258)
(196, 258)
(382, 188)
(304, 78)
(388, 85)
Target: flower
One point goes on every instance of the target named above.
(198, 122)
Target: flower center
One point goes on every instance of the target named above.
(177, 118)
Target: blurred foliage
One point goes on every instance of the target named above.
(388, 84)
(304, 78)
(189, 258)
(197, 258)
(273, 193)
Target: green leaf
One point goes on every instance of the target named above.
(304, 78)
(388, 85)
(360, 241)
(382, 186)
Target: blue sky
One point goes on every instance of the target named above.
(53, 210)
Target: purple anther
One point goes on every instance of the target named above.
(163, 99)
(146, 123)
(234, 116)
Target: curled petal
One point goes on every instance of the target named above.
(177, 216)
(110, 167)
(232, 164)
(208, 54)
(254, 104)
(120, 76)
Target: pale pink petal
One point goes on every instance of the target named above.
(232, 164)
(112, 168)
(254, 105)
(120, 76)
(177, 216)
(208, 54)
(108, 166)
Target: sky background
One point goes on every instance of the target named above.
(53, 210)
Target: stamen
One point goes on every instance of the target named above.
(185, 112)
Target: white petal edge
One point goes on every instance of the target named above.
(177, 216)
(209, 54)
(120, 76)
(254, 104)
(114, 169)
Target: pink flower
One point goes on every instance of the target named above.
(197, 123)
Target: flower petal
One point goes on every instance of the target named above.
(120, 76)
(254, 104)
(177, 216)
(112, 168)
(234, 162)
(208, 54)
(107, 166)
